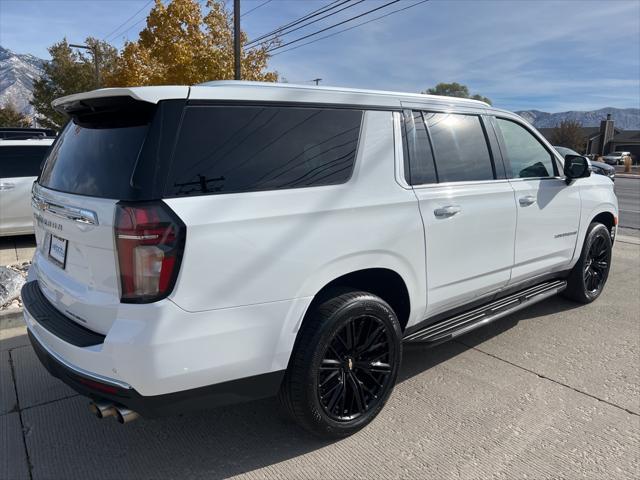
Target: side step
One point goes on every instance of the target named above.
(465, 322)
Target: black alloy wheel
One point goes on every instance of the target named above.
(344, 364)
(589, 275)
(355, 368)
(597, 264)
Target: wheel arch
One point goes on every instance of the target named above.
(383, 282)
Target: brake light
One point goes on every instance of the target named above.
(150, 241)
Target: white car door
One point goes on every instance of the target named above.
(19, 166)
(467, 207)
(548, 208)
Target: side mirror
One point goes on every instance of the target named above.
(575, 166)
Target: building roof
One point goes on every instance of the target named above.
(627, 136)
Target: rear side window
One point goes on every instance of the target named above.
(227, 149)
(21, 161)
(526, 156)
(460, 147)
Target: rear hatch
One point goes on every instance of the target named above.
(114, 149)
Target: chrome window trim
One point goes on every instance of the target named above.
(79, 371)
(461, 183)
(76, 214)
(398, 152)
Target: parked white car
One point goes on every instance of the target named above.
(20, 162)
(205, 245)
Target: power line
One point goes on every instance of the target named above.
(351, 5)
(293, 23)
(255, 8)
(333, 26)
(351, 28)
(127, 20)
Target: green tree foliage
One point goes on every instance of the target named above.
(69, 71)
(183, 45)
(11, 117)
(455, 89)
(569, 134)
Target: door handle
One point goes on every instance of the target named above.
(448, 211)
(526, 201)
(7, 186)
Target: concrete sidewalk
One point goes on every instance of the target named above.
(17, 249)
(550, 392)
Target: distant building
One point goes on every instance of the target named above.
(605, 139)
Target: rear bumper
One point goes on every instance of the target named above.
(87, 384)
(168, 360)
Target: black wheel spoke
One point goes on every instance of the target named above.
(337, 394)
(330, 364)
(358, 394)
(352, 375)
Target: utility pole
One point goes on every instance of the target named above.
(317, 80)
(96, 59)
(236, 39)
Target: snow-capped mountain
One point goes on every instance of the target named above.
(624, 118)
(17, 74)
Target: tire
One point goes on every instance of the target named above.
(344, 365)
(589, 276)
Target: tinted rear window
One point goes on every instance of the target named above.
(98, 162)
(21, 161)
(226, 149)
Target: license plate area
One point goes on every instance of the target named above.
(58, 250)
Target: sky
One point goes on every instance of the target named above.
(549, 55)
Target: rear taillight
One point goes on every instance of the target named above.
(150, 241)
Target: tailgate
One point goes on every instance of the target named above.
(75, 260)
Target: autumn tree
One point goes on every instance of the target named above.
(69, 71)
(455, 89)
(181, 45)
(11, 117)
(569, 134)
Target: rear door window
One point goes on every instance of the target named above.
(525, 155)
(21, 161)
(460, 147)
(417, 149)
(227, 149)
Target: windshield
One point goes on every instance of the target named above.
(564, 151)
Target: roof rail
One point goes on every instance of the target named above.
(11, 133)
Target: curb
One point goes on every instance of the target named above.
(628, 175)
(11, 318)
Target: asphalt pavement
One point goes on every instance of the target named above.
(628, 193)
(550, 392)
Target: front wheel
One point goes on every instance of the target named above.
(344, 365)
(588, 277)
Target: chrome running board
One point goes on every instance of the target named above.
(465, 322)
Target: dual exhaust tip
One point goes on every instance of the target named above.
(103, 409)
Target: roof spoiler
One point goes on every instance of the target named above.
(81, 101)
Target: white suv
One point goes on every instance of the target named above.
(20, 162)
(229, 241)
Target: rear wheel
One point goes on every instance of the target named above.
(344, 365)
(588, 277)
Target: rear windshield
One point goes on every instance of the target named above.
(98, 162)
(21, 161)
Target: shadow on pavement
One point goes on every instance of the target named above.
(218, 443)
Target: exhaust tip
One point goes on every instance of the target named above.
(102, 409)
(124, 415)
